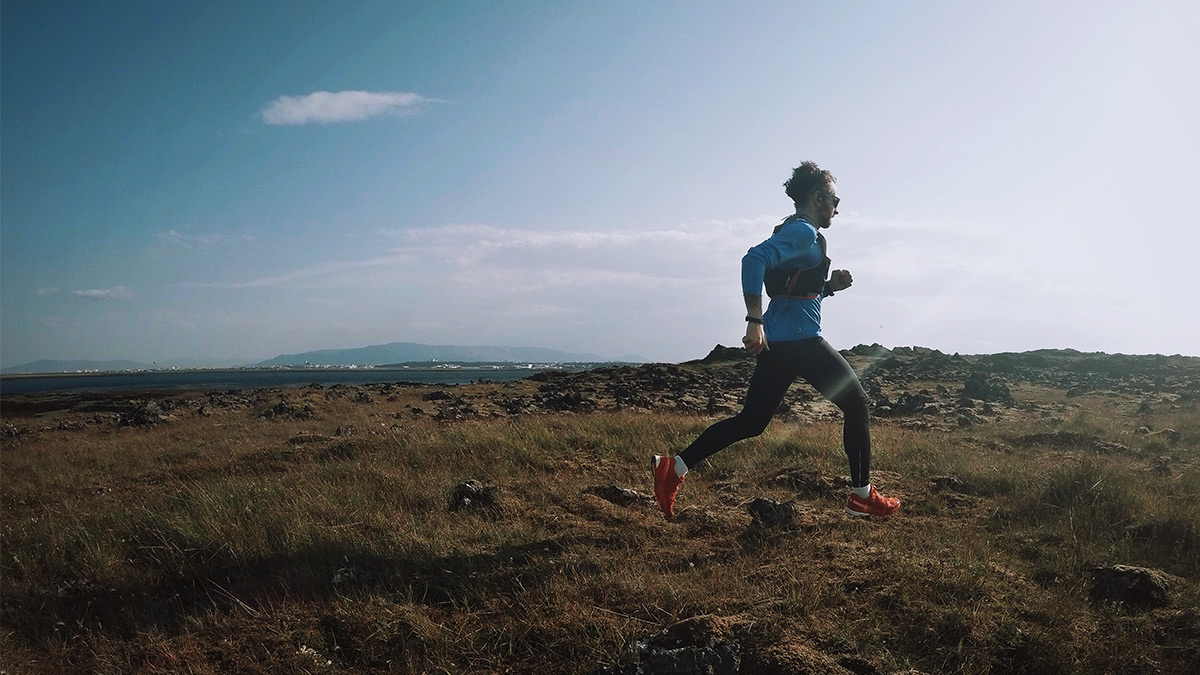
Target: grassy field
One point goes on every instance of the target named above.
(321, 541)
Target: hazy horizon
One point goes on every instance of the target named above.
(570, 357)
(233, 181)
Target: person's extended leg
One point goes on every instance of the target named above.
(825, 369)
(773, 374)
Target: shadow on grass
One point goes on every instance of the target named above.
(253, 585)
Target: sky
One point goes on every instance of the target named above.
(221, 182)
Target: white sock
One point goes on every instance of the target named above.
(863, 492)
(680, 467)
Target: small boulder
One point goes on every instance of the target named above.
(1141, 587)
(808, 483)
(77, 588)
(473, 494)
(698, 646)
(770, 513)
(617, 495)
(347, 576)
(912, 403)
(1169, 435)
(946, 483)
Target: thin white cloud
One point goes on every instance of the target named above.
(512, 265)
(497, 260)
(326, 107)
(46, 291)
(114, 293)
(327, 274)
(184, 240)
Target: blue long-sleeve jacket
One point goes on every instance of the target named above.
(785, 318)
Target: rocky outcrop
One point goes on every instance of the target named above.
(285, 408)
(981, 387)
(1138, 587)
(142, 414)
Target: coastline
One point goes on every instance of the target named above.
(13, 384)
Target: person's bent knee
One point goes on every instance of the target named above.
(750, 426)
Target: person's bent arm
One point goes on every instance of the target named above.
(839, 280)
(755, 340)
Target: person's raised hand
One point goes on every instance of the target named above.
(840, 280)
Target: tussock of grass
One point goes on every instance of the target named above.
(212, 544)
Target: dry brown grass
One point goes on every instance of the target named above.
(211, 544)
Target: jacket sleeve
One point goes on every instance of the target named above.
(791, 241)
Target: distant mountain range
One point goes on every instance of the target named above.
(377, 355)
(411, 352)
(75, 365)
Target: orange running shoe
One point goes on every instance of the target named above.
(666, 483)
(875, 505)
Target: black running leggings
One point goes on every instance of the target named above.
(821, 366)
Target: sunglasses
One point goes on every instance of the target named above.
(836, 200)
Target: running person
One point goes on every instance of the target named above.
(787, 341)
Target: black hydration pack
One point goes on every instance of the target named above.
(789, 281)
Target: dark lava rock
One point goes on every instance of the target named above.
(142, 414)
(806, 482)
(721, 353)
(568, 401)
(691, 647)
(228, 399)
(946, 483)
(9, 430)
(617, 495)
(1070, 438)
(349, 576)
(1012, 363)
(286, 408)
(980, 386)
(77, 587)
(911, 404)
(1136, 586)
(921, 363)
(876, 350)
(770, 513)
(718, 659)
(473, 494)
(549, 376)
(455, 410)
